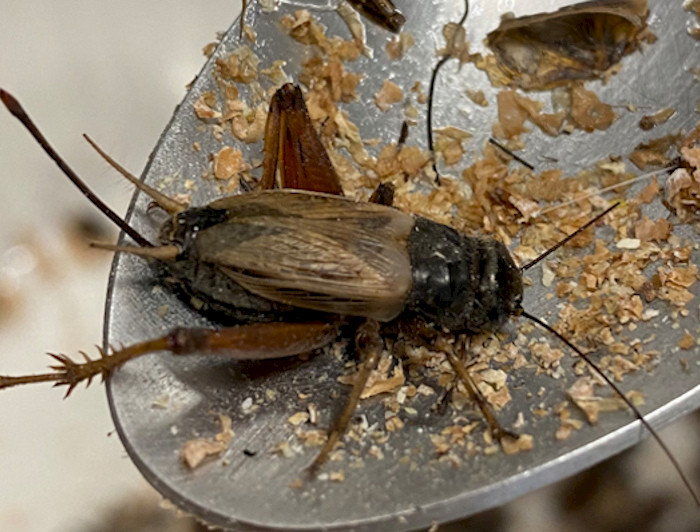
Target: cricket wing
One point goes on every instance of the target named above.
(293, 147)
(314, 251)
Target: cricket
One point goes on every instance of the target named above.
(291, 265)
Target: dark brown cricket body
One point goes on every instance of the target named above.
(322, 253)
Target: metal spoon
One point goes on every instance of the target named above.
(249, 488)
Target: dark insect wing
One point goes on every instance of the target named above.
(314, 251)
(293, 147)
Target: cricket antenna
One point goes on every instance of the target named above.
(617, 390)
(431, 91)
(568, 238)
(513, 155)
(18, 112)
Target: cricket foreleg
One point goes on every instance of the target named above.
(369, 344)
(256, 341)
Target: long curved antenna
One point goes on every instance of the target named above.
(18, 112)
(629, 403)
(431, 91)
(572, 235)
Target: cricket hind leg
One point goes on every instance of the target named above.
(257, 341)
(369, 344)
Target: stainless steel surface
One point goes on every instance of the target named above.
(244, 492)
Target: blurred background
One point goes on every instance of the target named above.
(116, 70)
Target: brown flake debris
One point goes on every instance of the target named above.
(654, 152)
(648, 122)
(389, 94)
(399, 45)
(647, 230)
(195, 452)
(687, 342)
(588, 112)
(228, 163)
(514, 446)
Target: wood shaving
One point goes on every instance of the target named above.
(457, 45)
(647, 230)
(399, 45)
(511, 446)
(654, 152)
(356, 27)
(240, 66)
(389, 94)
(204, 106)
(661, 116)
(448, 143)
(228, 163)
(588, 112)
(682, 192)
(687, 342)
(195, 452)
(514, 109)
(477, 96)
(298, 418)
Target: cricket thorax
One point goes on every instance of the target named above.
(183, 227)
(461, 283)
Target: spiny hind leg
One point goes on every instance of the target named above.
(256, 341)
(369, 344)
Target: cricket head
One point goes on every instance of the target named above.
(509, 282)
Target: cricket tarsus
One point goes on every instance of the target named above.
(18, 112)
(68, 372)
(624, 398)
